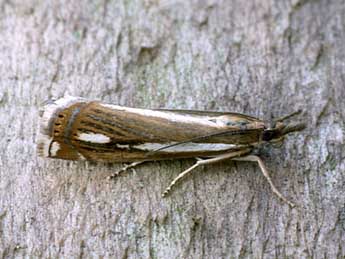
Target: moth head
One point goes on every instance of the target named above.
(278, 130)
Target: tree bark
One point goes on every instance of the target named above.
(261, 58)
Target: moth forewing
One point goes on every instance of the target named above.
(75, 128)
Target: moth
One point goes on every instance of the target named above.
(75, 128)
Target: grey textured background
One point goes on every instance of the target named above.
(263, 58)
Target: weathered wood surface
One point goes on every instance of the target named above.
(262, 58)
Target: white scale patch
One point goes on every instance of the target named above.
(190, 147)
(67, 101)
(54, 148)
(123, 146)
(94, 138)
(204, 120)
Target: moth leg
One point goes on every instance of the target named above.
(200, 162)
(253, 158)
(124, 169)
